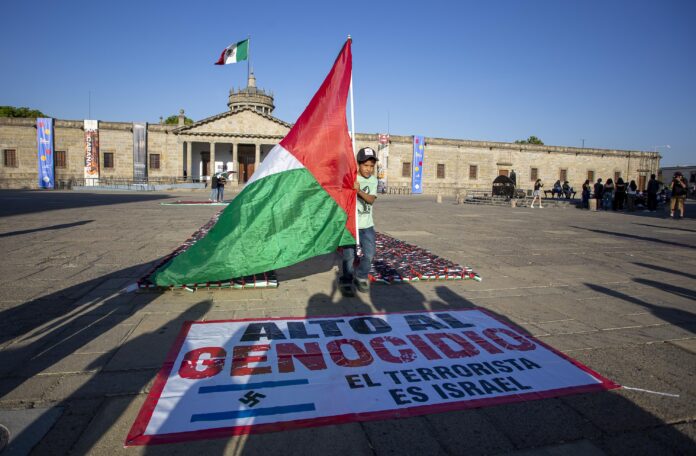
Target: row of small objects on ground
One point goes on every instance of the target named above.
(398, 261)
(265, 280)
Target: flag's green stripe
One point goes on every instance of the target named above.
(242, 50)
(275, 222)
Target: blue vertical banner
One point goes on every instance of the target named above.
(417, 167)
(44, 137)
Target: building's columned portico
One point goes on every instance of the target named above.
(202, 157)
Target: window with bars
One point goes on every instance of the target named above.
(60, 159)
(563, 175)
(590, 175)
(534, 174)
(154, 161)
(108, 160)
(473, 172)
(406, 169)
(9, 157)
(440, 170)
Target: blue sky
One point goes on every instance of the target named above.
(618, 74)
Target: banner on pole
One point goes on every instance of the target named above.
(417, 166)
(44, 138)
(225, 378)
(91, 152)
(139, 152)
(382, 163)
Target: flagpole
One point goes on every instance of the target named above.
(352, 138)
(248, 57)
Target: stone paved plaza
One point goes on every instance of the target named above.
(615, 291)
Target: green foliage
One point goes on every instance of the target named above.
(11, 111)
(530, 140)
(174, 120)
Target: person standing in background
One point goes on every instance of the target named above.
(598, 191)
(653, 188)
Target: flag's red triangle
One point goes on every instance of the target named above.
(320, 140)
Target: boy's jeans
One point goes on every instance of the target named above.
(221, 193)
(214, 194)
(367, 242)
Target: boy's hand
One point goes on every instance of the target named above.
(356, 185)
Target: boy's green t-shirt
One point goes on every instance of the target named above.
(369, 186)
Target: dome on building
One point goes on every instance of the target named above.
(251, 97)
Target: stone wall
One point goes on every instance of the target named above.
(114, 137)
(492, 157)
(456, 156)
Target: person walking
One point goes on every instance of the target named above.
(598, 191)
(586, 194)
(222, 179)
(538, 185)
(679, 190)
(619, 195)
(213, 189)
(653, 188)
(608, 195)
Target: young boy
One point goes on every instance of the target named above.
(366, 185)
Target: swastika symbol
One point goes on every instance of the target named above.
(251, 398)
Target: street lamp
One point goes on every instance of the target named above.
(666, 146)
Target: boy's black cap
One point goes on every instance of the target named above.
(365, 154)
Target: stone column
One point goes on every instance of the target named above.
(189, 159)
(211, 169)
(235, 163)
(257, 158)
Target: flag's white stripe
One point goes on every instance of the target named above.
(231, 55)
(278, 160)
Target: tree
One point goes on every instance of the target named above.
(174, 120)
(11, 111)
(530, 140)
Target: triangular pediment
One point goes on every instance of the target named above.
(244, 122)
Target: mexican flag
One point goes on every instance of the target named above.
(234, 53)
(299, 203)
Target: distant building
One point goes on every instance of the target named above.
(240, 138)
(688, 171)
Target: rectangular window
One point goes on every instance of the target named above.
(440, 171)
(473, 172)
(563, 175)
(60, 159)
(154, 161)
(617, 174)
(406, 169)
(590, 175)
(534, 174)
(108, 160)
(10, 158)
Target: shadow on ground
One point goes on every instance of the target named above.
(18, 202)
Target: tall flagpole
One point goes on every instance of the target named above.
(248, 57)
(352, 138)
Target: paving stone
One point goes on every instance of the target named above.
(540, 423)
(26, 428)
(468, 432)
(408, 436)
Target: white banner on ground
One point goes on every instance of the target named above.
(226, 378)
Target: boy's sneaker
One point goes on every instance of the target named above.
(346, 288)
(362, 285)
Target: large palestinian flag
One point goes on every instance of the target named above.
(300, 203)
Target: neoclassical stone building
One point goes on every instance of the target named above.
(240, 138)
